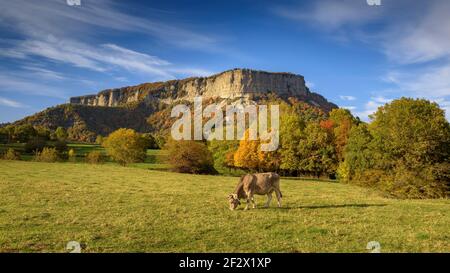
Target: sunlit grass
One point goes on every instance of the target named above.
(108, 208)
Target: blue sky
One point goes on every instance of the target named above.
(357, 56)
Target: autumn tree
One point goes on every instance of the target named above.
(188, 156)
(246, 156)
(249, 156)
(342, 122)
(125, 146)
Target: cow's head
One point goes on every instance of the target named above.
(233, 200)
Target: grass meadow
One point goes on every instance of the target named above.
(108, 208)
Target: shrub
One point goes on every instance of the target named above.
(150, 141)
(95, 157)
(11, 154)
(190, 157)
(47, 155)
(72, 155)
(35, 144)
(99, 139)
(60, 146)
(125, 146)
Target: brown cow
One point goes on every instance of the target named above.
(251, 184)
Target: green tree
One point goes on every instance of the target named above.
(405, 151)
(291, 131)
(222, 152)
(23, 133)
(125, 146)
(61, 133)
(3, 136)
(43, 132)
(317, 152)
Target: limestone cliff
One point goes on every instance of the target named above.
(236, 83)
(147, 107)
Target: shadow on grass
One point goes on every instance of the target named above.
(327, 206)
(309, 179)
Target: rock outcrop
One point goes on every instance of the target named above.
(231, 84)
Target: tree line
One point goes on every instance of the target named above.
(404, 151)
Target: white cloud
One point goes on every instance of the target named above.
(349, 98)
(69, 35)
(351, 108)
(10, 82)
(101, 58)
(44, 73)
(429, 82)
(444, 104)
(423, 39)
(331, 14)
(371, 107)
(11, 103)
(57, 18)
(310, 84)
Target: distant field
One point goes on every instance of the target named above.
(108, 208)
(155, 158)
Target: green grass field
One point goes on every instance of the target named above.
(108, 208)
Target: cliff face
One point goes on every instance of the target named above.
(237, 83)
(139, 107)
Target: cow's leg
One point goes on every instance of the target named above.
(278, 193)
(248, 200)
(253, 201)
(269, 198)
(248, 203)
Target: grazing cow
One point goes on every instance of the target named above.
(251, 184)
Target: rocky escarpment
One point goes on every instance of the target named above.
(147, 107)
(231, 84)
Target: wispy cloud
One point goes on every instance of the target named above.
(310, 84)
(419, 49)
(11, 103)
(60, 33)
(44, 73)
(9, 82)
(371, 107)
(429, 82)
(351, 108)
(420, 40)
(331, 14)
(57, 18)
(102, 58)
(349, 98)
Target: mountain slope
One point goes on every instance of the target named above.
(146, 107)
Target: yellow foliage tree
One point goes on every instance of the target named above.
(249, 156)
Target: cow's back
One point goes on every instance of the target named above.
(266, 181)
